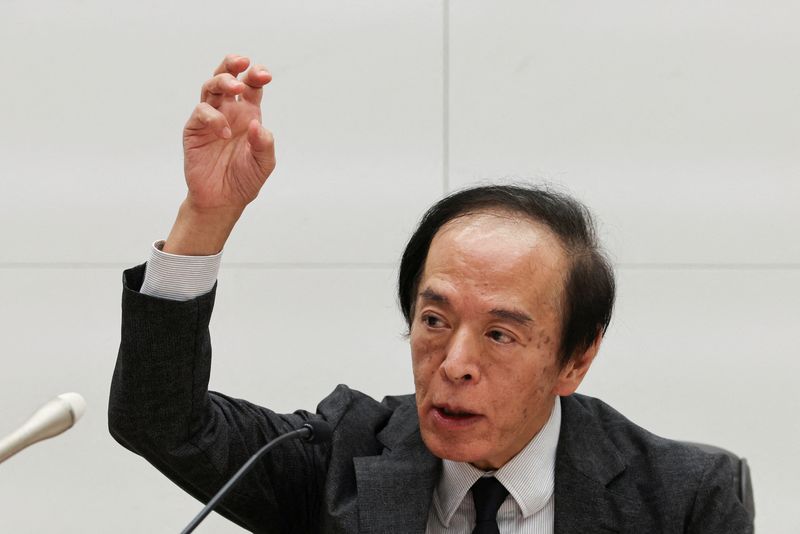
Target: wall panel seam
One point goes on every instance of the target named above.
(230, 265)
(445, 97)
(393, 265)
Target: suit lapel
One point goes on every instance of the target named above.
(395, 489)
(586, 463)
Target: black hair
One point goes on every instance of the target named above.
(589, 287)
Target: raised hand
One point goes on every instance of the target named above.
(228, 156)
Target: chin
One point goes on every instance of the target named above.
(448, 448)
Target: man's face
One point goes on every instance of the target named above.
(485, 337)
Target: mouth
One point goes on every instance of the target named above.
(449, 412)
(453, 417)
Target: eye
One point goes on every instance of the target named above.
(432, 321)
(500, 337)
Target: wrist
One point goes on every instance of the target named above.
(201, 231)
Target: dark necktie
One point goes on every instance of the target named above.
(488, 494)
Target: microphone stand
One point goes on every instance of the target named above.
(305, 432)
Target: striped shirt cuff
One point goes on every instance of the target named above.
(174, 277)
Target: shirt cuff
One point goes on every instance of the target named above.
(174, 277)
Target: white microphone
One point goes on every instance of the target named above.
(50, 420)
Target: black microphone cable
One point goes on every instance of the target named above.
(311, 431)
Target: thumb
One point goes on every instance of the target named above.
(262, 145)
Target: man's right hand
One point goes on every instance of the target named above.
(228, 156)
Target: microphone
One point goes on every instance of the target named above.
(317, 431)
(50, 420)
(313, 431)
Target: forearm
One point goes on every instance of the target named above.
(159, 405)
(161, 409)
(163, 365)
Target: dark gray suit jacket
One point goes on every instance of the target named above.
(376, 475)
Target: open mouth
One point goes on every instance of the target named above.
(454, 414)
(453, 417)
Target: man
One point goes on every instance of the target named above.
(507, 297)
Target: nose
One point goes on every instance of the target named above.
(461, 363)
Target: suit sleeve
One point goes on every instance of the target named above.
(717, 509)
(161, 409)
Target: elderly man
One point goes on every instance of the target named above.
(507, 297)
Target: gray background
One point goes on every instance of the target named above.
(677, 122)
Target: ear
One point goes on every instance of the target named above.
(571, 376)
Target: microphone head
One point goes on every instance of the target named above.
(320, 431)
(77, 404)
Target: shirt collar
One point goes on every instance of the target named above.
(529, 476)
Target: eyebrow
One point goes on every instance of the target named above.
(516, 316)
(430, 294)
(511, 315)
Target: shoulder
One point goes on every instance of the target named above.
(345, 402)
(633, 442)
(359, 418)
(680, 483)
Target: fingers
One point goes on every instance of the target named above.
(255, 79)
(206, 116)
(224, 85)
(219, 88)
(233, 65)
(262, 145)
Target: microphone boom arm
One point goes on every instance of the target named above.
(306, 432)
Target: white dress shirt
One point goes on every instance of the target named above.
(529, 476)
(175, 277)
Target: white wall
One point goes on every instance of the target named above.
(678, 122)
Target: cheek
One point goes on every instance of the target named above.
(425, 348)
(525, 389)
(423, 360)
